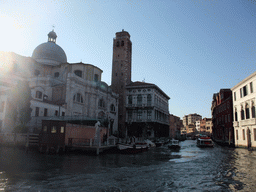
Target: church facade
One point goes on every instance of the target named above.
(59, 90)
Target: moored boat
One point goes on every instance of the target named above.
(204, 141)
(174, 144)
(132, 148)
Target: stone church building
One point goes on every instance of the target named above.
(59, 90)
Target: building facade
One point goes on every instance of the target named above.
(244, 98)
(206, 126)
(175, 127)
(222, 117)
(60, 89)
(147, 111)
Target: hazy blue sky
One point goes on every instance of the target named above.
(189, 48)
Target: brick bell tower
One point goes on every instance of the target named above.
(121, 74)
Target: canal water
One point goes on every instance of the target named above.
(158, 169)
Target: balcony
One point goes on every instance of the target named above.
(248, 122)
(139, 105)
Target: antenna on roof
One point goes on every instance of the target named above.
(53, 26)
(143, 80)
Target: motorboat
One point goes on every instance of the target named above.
(204, 141)
(174, 144)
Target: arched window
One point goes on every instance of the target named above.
(78, 98)
(117, 43)
(39, 94)
(129, 99)
(78, 73)
(242, 113)
(122, 43)
(247, 113)
(112, 108)
(139, 99)
(253, 110)
(56, 74)
(149, 99)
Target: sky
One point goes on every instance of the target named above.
(189, 48)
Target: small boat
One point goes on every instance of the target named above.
(132, 148)
(204, 141)
(174, 144)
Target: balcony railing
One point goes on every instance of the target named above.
(247, 122)
(140, 105)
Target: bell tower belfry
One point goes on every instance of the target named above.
(121, 73)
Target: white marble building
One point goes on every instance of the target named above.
(59, 89)
(244, 123)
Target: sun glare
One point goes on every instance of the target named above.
(10, 34)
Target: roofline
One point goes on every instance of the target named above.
(244, 80)
(148, 85)
(81, 63)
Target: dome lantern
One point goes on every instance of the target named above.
(52, 37)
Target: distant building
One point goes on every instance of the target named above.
(147, 110)
(198, 126)
(175, 127)
(191, 119)
(59, 89)
(206, 126)
(222, 117)
(244, 98)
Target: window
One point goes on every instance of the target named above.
(243, 134)
(96, 77)
(245, 91)
(254, 132)
(235, 114)
(149, 99)
(54, 129)
(129, 99)
(247, 114)
(122, 43)
(45, 129)
(242, 114)
(56, 75)
(56, 113)
(62, 129)
(112, 108)
(251, 87)
(117, 43)
(101, 103)
(149, 114)
(235, 96)
(78, 73)
(129, 115)
(39, 94)
(78, 98)
(236, 134)
(139, 99)
(253, 110)
(139, 114)
(2, 107)
(63, 114)
(45, 112)
(37, 112)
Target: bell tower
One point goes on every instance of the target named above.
(121, 73)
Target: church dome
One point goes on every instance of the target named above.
(50, 53)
